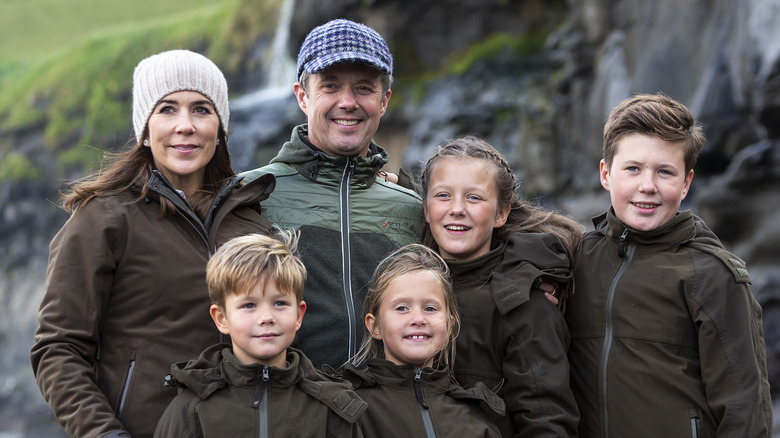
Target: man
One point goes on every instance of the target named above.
(327, 188)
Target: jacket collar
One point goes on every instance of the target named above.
(479, 270)
(311, 162)
(233, 194)
(681, 229)
(216, 367)
(383, 372)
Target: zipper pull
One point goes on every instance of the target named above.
(622, 243)
(418, 389)
(260, 389)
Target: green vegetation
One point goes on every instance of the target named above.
(16, 167)
(491, 47)
(80, 93)
(35, 28)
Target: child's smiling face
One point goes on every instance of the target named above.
(261, 324)
(646, 181)
(412, 319)
(462, 208)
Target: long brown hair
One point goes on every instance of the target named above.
(523, 216)
(122, 170)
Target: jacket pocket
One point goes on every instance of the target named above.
(126, 385)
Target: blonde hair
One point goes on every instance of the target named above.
(242, 262)
(656, 115)
(405, 260)
(523, 216)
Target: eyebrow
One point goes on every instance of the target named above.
(197, 102)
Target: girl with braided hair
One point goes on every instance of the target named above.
(502, 252)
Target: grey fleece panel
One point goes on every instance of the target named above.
(323, 337)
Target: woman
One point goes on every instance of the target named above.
(126, 294)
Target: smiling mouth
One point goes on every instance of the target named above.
(645, 205)
(457, 227)
(418, 337)
(346, 122)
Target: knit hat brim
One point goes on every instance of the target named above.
(176, 70)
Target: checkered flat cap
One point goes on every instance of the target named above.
(339, 41)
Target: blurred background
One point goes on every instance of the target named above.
(536, 78)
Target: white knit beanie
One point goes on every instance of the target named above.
(176, 70)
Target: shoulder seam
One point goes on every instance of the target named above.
(734, 264)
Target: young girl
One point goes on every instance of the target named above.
(499, 250)
(411, 323)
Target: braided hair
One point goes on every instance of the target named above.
(523, 216)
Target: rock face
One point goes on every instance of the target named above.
(535, 78)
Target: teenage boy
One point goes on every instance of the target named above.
(259, 386)
(666, 336)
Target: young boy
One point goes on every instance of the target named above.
(666, 336)
(261, 386)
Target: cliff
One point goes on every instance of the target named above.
(535, 78)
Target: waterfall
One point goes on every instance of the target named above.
(281, 68)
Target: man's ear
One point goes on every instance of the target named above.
(385, 101)
(220, 320)
(300, 95)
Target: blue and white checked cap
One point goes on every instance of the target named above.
(340, 41)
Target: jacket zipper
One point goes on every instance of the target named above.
(609, 329)
(423, 405)
(126, 386)
(260, 403)
(346, 256)
(189, 215)
(181, 205)
(695, 423)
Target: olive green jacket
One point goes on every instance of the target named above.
(349, 220)
(220, 397)
(512, 338)
(408, 402)
(667, 339)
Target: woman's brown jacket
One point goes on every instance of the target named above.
(125, 298)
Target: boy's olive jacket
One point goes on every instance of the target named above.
(667, 339)
(220, 397)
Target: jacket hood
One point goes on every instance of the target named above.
(310, 161)
(201, 375)
(508, 270)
